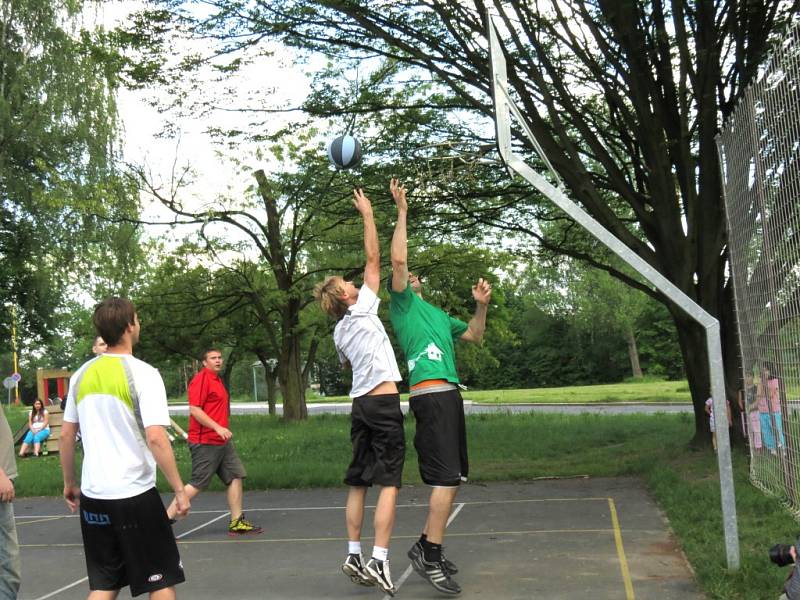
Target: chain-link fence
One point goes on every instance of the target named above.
(760, 162)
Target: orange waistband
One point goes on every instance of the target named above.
(429, 383)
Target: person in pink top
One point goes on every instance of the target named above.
(748, 405)
(768, 397)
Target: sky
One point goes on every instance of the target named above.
(193, 146)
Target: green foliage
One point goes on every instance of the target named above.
(615, 93)
(60, 194)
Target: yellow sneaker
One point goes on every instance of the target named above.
(242, 526)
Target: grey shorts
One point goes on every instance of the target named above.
(208, 460)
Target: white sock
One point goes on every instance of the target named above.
(354, 548)
(379, 553)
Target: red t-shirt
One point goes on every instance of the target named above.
(207, 391)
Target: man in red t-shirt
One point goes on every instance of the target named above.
(210, 442)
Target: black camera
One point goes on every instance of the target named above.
(780, 554)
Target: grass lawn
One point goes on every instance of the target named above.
(519, 447)
(646, 391)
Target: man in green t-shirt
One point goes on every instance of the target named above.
(426, 335)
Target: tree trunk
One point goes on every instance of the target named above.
(731, 353)
(269, 377)
(692, 341)
(633, 353)
(290, 375)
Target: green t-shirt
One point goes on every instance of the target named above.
(426, 335)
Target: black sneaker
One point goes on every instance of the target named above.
(378, 572)
(354, 569)
(416, 549)
(436, 574)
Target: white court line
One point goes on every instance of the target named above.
(402, 578)
(80, 581)
(222, 516)
(63, 589)
(299, 508)
(408, 570)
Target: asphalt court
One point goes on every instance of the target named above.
(550, 539)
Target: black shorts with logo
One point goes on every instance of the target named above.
(379, 445)
(441, 438)
(129, 542)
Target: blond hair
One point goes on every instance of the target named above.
(329, 295)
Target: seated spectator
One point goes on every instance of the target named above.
(38, 429)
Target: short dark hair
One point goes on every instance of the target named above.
(112, 317)
(207, 351)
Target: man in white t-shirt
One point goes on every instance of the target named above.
(376, 429)
(120, 405)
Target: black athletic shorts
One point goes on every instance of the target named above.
(129, 542)
(209, 459)
(379, 444)
(441, 438)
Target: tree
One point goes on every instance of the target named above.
(625, 98)
(300, 225)
(58, 144)
(191, 304)
(603, 302)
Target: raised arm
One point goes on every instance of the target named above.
(399, 239)
(482, 292)
(372, 270)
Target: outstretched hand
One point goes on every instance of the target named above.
(482, 291)
(361, 202)
(398, 193)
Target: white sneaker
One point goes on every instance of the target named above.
(378, 571)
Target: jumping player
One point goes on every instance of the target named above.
(376, 429)
(426, 335)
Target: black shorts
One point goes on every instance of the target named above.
(129, 542)
(379, 444)
(441, 438)
(208, 460)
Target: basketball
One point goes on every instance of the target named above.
(344, 152)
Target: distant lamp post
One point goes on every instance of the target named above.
(16, 377)
(255, 381)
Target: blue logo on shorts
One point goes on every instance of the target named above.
(96, 518)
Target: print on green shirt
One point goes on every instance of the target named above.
(426, 334)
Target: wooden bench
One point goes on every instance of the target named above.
(55, 418)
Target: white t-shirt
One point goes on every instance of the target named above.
(114, 397)
(361, 339)
(37, 423)
(710, 405)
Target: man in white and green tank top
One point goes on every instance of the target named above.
(427, 337)
(120, 405)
